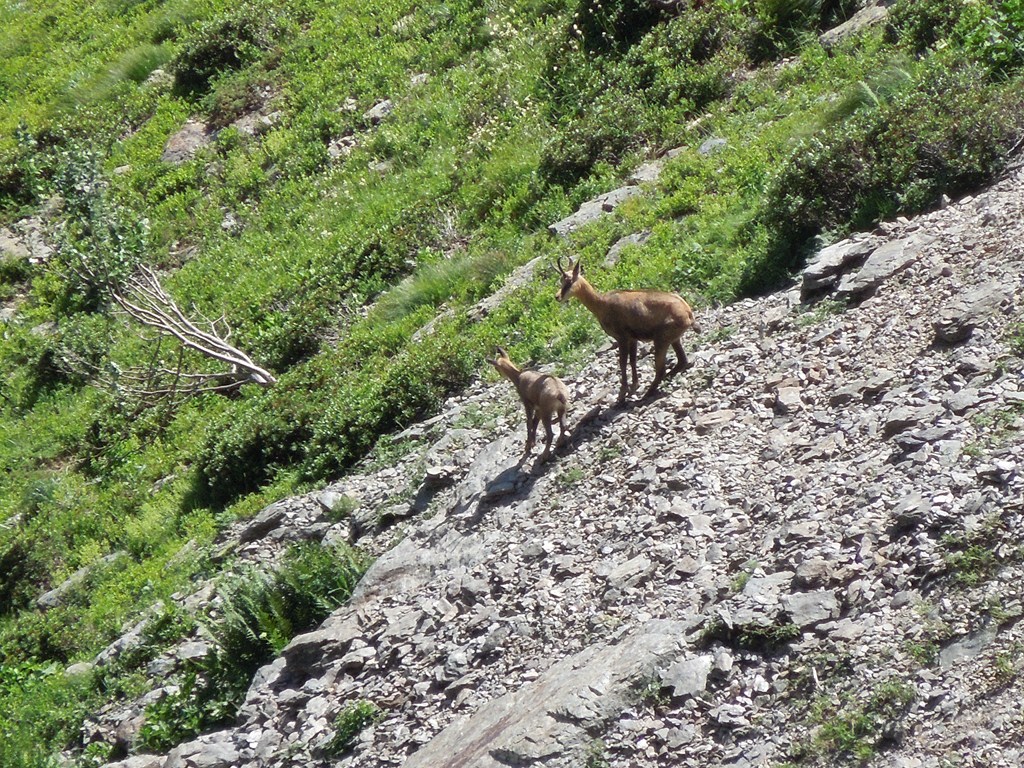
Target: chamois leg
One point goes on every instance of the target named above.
(660, 353)
(548, 435)
(632, 364)
(531, 428)
(564, 433)
(681, 362)
(623, 357)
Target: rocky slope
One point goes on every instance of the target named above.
(809, 549)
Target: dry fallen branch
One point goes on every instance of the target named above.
(144, 299)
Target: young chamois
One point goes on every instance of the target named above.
(544, 396)
(632, 316)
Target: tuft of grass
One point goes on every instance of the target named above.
(570, 477)
(857, 731)
(258, 614)
(1015, 339)
(596, 755)
(820, 311)
(971, 559)
(653, 693)
(925, 653)
(349, 723)
(741, 578)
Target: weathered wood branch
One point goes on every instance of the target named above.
(143, 298)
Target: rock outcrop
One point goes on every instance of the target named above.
(820, 522)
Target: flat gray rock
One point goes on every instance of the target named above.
(871, 15)
(806, 609)
(884, 262)
(615, 252)
(688, 677)
(967, 647)
(548, 721)
(823, 271)
(595, 209)
(186, 143)
(957, 320)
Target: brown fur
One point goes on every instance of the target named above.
(544, 397)
(633, 316)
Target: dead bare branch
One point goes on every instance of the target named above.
(143, 298)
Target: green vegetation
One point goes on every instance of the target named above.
(862, 730)
(652, 693)
(995, 428)
(349, 723)
(325, 240)
(746, 571)
(757, 638)
(1016, 339)
(972, 559)
(852, 731)
(570, 477)
(258, 614)
(925, 653)
(820, 311)
(596, 755)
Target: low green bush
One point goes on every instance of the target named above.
(349, 723)
(258, 614)
(39, 705)
(921, 24)
(323, 422)
(947, 135)
(228, 42)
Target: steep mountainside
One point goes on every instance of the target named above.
(253, 259)
(807, 552)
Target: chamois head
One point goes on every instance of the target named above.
(570, 278)
(502, 363)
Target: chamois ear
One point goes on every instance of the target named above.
(578, 269)
(501, 352)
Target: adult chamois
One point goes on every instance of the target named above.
(544, 397)
(632, 316)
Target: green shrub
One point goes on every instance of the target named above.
(948, 135)
(180, 715)
(413, 385)
(992, 33)
(258, 614)
(101, 241)
(252, 445)
(20, 575)
(22, 171)
(685, 65)
(261, 612)
(39, 706)
(780, 25)
(1015, 339)
(14, 270)
(323, 422)
(61, 634)
(612, 24)
(231, 41)
(859, 731)
(349, 723)
(921, 24)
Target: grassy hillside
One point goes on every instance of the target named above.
(325, 239)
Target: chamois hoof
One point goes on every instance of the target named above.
(652, 393)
